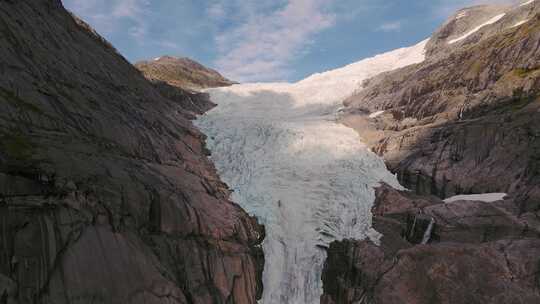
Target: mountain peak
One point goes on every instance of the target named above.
(475, 23)
(182, 72)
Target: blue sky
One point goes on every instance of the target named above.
(264, 40)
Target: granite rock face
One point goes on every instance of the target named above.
(106, 192)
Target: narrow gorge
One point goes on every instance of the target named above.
(412, 176)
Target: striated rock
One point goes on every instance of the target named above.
(106, 192)
(182, 73)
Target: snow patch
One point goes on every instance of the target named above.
(527, 3)
(520, 23)
(376, 114)
(461, 15)
(307, 178)
(486, 197)
(476, 29)
(157, 58)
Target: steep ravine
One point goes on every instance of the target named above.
(106, 193)
(307, 178)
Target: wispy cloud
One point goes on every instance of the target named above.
(264, 41)
(393, 26)
(109, 16)
(216, 11)
(129, 8)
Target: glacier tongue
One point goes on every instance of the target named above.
(308, 179)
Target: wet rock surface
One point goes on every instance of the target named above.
(106, 192)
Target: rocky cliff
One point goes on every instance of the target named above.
(106, 193)
(464, 121)
(435, 252)
(182, 72)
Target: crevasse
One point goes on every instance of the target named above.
(308, 179)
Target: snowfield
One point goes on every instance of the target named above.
(376, 114)
(308, 179)
(485, 197)
(476, 29)
(520, 23)
(527, 3)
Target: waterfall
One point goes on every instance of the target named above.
(427, 233)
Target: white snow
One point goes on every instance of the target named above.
(376, 114)
(308, 179)
(486, 197)
(461, 15)
(520, 23)
(476, 29)
(157, 58)
(527, 3)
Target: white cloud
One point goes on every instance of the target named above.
(216, 11)
(393, 26)
(267, 37)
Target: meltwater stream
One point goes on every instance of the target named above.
(308, 179)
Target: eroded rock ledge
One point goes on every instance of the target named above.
(477, 252)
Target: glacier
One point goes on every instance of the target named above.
(307, 178)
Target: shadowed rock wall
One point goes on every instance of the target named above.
(106, 193)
